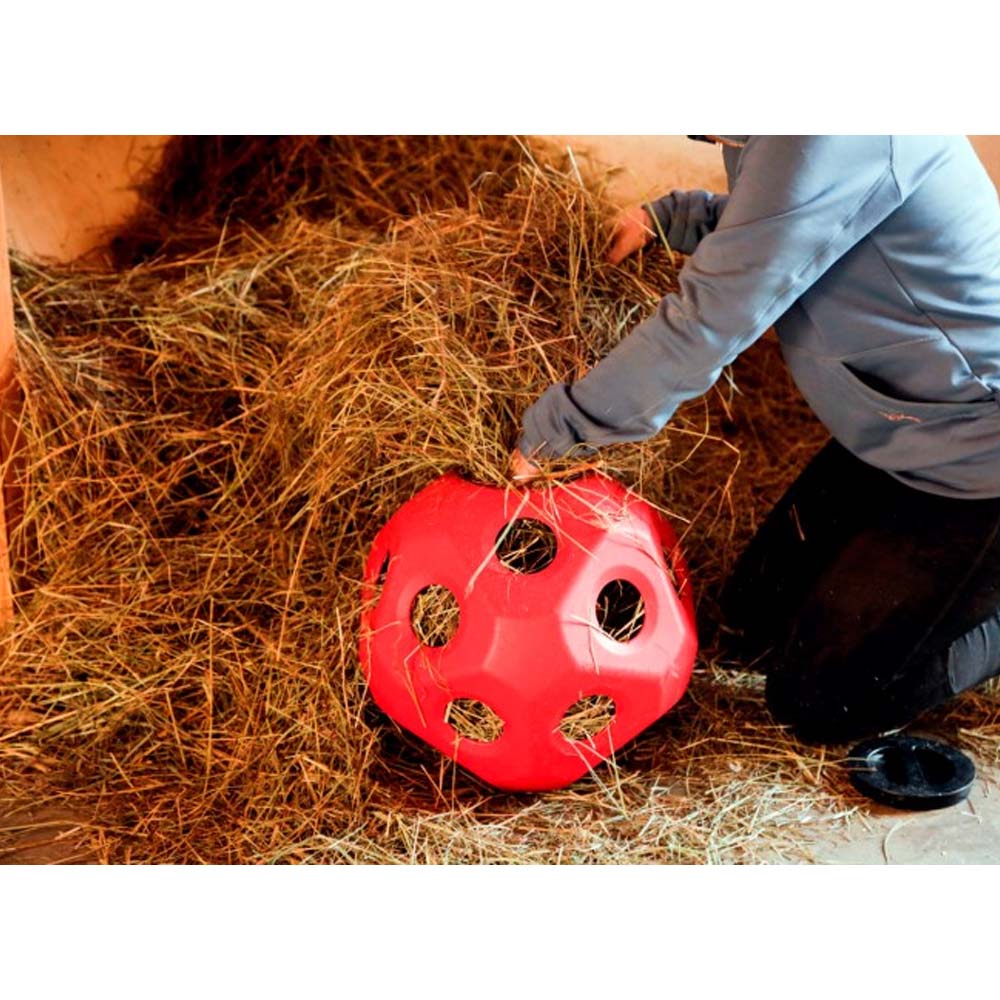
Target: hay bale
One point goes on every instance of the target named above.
(211, 443)
(204, 187)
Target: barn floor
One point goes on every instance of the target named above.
(968, 833)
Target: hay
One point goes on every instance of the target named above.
(587, 717)
(205, 186)
(474, 720)
(435, 615)
(211, 441)
(526, 545)
(621, 610)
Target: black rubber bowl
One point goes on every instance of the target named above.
(910, 772)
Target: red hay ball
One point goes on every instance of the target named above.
(527, 603)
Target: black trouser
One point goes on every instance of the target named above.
(867, 601)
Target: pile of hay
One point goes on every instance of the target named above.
(212, 438)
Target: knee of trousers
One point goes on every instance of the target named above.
(974, 656)
(856, 700)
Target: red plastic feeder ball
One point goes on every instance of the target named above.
(527, 633)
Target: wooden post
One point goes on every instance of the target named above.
(9, 405)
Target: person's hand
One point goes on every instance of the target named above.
(632, 230)
(521, 470)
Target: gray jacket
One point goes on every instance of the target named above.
(877, 260)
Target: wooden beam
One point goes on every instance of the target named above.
(9, 406)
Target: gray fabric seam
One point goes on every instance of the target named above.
(937, 326)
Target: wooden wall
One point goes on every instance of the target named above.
(63, 192)
(8, 409)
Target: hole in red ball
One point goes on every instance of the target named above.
(434, 615)
(587, 717)
(620, 610)
(526, 545)
(473, 720)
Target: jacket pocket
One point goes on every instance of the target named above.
(915, 372)
(893, 407)
(906, 435)
(891, 432)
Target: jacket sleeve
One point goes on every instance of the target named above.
(798, 204)
(686, 217)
